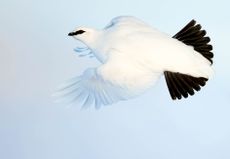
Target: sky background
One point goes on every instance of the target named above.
(36, 55)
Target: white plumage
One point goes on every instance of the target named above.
(133, 56)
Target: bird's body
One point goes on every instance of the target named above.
(133, 55)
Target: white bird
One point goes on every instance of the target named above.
(134, 56)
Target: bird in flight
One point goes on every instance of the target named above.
(133, 56)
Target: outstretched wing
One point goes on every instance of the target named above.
(127, 21)
(91, 89)
(182, 85)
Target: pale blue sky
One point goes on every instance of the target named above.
(36, 55)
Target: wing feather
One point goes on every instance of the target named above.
(90, 89)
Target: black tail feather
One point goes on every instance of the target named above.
(181, 84)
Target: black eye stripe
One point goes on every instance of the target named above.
(76, 32)
(79, 32)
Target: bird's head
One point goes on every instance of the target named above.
(85, 35)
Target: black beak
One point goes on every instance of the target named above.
(72, 34)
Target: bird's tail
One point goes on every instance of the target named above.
(192, 35)
(180, 84)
